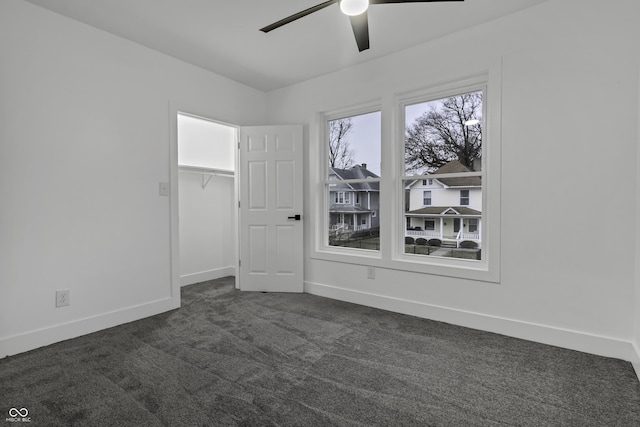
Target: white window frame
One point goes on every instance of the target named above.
(467, 198)
(391, 254)
(424, 198)
(320, 244)
(486, 269)
(342, 198)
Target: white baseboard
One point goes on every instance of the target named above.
(636, 359)
(42, 337)
(573, 340)
(203, 276)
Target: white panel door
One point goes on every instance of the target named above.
(271, 232)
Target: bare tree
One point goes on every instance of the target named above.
(340, 156)
(445, 133)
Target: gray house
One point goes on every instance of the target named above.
(353, 206)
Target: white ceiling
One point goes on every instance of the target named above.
(223, 35)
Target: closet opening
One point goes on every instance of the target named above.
(207, 202)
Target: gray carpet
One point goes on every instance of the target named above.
(255, 359)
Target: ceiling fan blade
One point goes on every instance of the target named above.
(407, 1)
(298, 15)
(360, 25)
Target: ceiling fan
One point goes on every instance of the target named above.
(355, 9)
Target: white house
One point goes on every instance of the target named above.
(448, 209)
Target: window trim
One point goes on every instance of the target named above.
(320, 248)
(487, 269)
(425, 199)
(466, 198)
(392, 200)
(344, 200)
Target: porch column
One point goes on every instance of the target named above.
(441, 228)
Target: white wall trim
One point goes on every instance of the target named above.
(635, 361)
(559, 337)
(203, 276)
(31, 340)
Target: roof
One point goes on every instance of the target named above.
(347, 209)
(445, 210)
(455, 166)
(357, 172)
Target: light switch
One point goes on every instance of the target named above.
(163, 188)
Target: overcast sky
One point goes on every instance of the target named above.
(364, 138)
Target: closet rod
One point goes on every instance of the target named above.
(208, 172)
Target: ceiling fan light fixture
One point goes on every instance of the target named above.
(354, 7)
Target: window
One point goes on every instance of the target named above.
(342, 198)
(353, 174)
(464, 197)
(440, 190)
(443, 139)
(426, 198)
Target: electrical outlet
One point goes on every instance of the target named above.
(63, 298)
(163, 189)
(371, 272)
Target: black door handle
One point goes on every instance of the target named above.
(296, 217)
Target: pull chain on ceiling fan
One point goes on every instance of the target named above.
(355, 9)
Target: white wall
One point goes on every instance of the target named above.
(636, 334)
(569, 159)
(84, 142)
(208, 231)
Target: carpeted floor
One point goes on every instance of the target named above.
(255, 359)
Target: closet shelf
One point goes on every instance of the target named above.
(207, 173)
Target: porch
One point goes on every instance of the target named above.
(447, 240)
(449, 227)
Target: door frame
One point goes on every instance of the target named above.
(174, 173)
